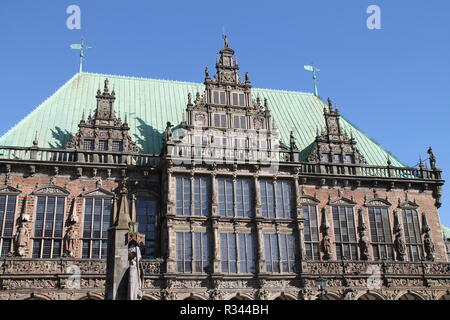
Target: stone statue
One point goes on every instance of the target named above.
(21, 240)
(326, 240)
(363, 239)
(432, 158)
(247, 77)
(206, 72)
(169, 132)
(135, 272)
(69, 242)
(292, 142)
(429, 247)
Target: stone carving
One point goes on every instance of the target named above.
(167, 294)
(21, 240)
(399, 242)
(216, 294)
(168, 133)
(292, 142)
(326, 239)
(432, 159)
(69, 242)
(427, 241)
(135, 273)
(333, 141)
(104, 131)
(363, 239)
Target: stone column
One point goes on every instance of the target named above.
(261, 262)
(117, 259)
(300, 220)
(171, 247)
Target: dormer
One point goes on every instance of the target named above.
(104, 131)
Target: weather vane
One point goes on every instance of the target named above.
(80, 46)
(314, 71)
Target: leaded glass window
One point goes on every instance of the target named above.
(267, 198)
(237, 252)
(219, 97)
(380, 231)
(413, 237)
(202, 196)
(279, 253)
(97, 220)
(103, 145)
(239, 195)
(183, 196)
(88, 144)
(240, 122)
(345, 233)
(193, 252)
(48, 227)
(226, 196)
(311, 232)
(146, 214)
(244, 197)
(7, 215)
(117, 146)
(238, 99)
(285, 199)
(220, 120)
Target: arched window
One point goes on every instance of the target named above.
(49, 223)
(8, 203)
(380, 230)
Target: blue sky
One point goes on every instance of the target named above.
(392, 83)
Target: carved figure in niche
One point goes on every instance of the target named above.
(69, 242)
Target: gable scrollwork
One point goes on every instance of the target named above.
(51, 190)
(8, 190)
(98, 193)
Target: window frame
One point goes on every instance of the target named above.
(4, 216)
(53, 239)
(311, 245)
(416, 229)
(385, 247)
(102, 239)
(191, 265)
(340, 243)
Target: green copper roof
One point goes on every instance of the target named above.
(446, 232)
(150, 103)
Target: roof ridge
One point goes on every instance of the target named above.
(41, 104)
(186, 82)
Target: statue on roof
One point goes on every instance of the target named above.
(206, 72)
(292, 142)
(432, 159)
(168, 133)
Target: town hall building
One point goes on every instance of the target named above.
(226, 191)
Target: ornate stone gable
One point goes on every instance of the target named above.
(104, 131)
(224, 122)
(333, 145)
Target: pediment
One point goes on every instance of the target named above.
(408, 205)
(9, 190)
(99, 192)
(51, 190)
(308, 199)
(378, 202)
(342, 202)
